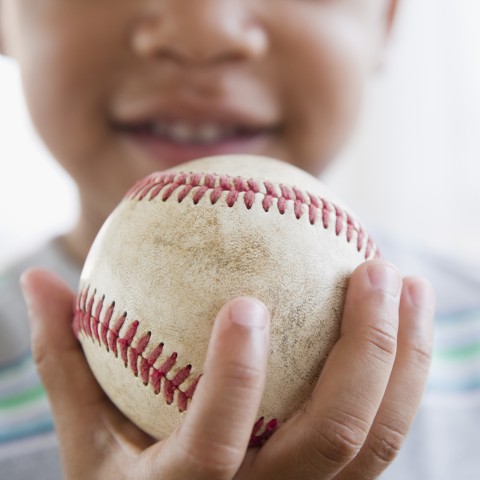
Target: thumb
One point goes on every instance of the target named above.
(60, 362)
(214, 435)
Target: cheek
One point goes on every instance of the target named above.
(324, 85)
(57, 91)
(332, 67)
(64, 75)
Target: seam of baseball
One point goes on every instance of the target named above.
(95, 322)
(199, 185)
(101, 326)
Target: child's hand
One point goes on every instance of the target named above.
(351, 428)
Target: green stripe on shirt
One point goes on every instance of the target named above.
(22, 398)
(459, 353)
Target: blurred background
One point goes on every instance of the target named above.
(412, 168)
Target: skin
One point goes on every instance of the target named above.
(295, 72)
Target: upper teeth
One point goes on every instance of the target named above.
(183, 132)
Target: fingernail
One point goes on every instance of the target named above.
(385, 277)
(249, 312)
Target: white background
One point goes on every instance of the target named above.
(413, 167)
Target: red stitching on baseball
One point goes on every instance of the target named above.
(90, 321)
(262, 432)
(199, 185)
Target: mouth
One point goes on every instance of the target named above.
(184, 133)
(167, 141)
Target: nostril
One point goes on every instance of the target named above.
(149, 38)
(204, 35)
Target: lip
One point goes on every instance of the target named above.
(163, 153)
(256, 130)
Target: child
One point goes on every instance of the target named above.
(118, 89)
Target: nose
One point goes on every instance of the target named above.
(199, 31)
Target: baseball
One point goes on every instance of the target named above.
(185, 241)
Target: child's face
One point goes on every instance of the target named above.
(119, 88)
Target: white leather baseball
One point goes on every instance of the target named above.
(182, 243)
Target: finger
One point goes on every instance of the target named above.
(213, 438)
(65, 374)
(334, 424)
(58, 355)
(406, 385)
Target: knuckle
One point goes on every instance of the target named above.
(42, 358)
(386, 442)
(383, 343)
(208, 460)
(421, 352)
(338, 441)
(240, 373)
